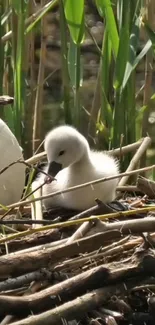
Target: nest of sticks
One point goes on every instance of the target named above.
(94, 267)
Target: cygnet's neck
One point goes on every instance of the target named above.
(84, 159)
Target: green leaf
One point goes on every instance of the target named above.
(75, 72)
(106, 110)
(131, 65)
(105, 9)
(74, 65)
(4, 207)
(123, 48)
(74, 12)
(18, 6)
(140, 113)
(106, 61)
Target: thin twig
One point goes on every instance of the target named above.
(114, 152)
(73, 188)
(79, 221)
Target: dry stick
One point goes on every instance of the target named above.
(73, 188)
(146, 186)
(80, 232)
(119, 188)
(68, 289)
(88, 225)
(50, 178)
(60, 292)
(79, 261)
(7, 320)
(76, 309)
(42, 247)
(78, 221)
(113, 152)
(128, 188)
(45, 246)
(18, 264)
(25, 197)
(48, 237)
(23, 280)
(143, 147)
(5, 100)
(21, 161)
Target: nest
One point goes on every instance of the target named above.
(93, 267)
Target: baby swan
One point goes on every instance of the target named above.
(71, 162)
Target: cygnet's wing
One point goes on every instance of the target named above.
(104, 163)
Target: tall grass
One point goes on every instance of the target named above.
(114, 114)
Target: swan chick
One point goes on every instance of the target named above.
(72, 162)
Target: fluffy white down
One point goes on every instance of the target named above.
(90, 166)
(12, 181)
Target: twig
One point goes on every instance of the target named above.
(146, 186)
(24, 162)
(5, 100)
(25, 221)
(143, 147)
(55, 243)
(7, 320)
(20, 263)
(80, 232)
(73, 188)
(79, 261)
(26, 209)
(17, 282)
(113, 152)
(79, 221)
(78, 307)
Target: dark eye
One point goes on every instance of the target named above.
(61, 152)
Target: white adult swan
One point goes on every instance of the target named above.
(71, 162)
(12, 180)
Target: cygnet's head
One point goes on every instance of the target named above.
(64, 146)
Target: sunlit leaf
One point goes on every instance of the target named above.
(123, 48)
(74, 12)
(133, 64)
(105, 10)
(75, 76)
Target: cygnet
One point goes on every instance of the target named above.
(72, 162)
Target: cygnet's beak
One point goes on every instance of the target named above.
(54, 168)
